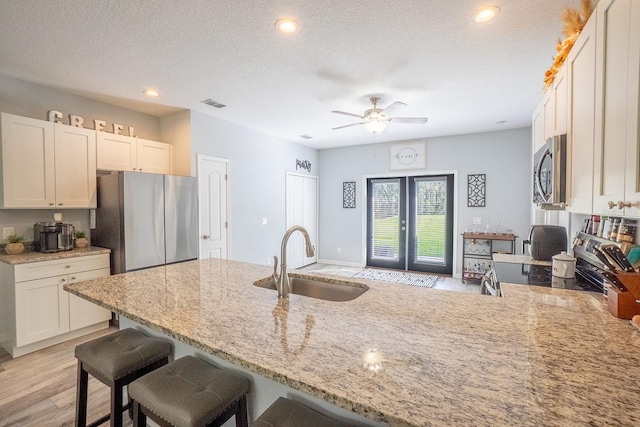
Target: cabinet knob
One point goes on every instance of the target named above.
(622, 205)
(64, 280)
(205, 236)
(611, 204)
(140, 170)
(134, 169)
(67, 266)
(73, 277)
(51, 204)
(60, 204)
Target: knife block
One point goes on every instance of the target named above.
(624, 304)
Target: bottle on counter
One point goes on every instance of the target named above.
(626, 231)
(601, 227)
(606, 229)
(595, 224)
(615, 225)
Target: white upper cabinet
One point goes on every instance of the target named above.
(116, 152)
(75, 154)
(581, 85)
(537, 128)
(127, 153)
(154, 157)
(46, 165)
(616, 189)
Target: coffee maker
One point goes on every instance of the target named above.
(53, 237)
(45, 237)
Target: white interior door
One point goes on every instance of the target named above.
(301, 209)
(212, 206)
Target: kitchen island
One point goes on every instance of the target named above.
(399, 354)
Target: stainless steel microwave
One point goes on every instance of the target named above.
(550, 174)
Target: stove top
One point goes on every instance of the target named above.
(538, 275)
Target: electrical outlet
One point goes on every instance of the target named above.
(477, 220)
(7, 231)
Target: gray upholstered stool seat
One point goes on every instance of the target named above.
(116, 360)
(189, 392)
(289, 413)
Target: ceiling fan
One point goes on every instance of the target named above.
(375, 120)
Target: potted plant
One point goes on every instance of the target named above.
(15, 245)
(81, 240)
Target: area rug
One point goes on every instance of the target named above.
(403, 277)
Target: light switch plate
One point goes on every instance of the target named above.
(7, 231)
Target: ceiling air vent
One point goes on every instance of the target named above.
(213, 103)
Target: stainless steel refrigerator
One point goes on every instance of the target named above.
(146, 219)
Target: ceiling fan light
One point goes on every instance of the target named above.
(375, 126)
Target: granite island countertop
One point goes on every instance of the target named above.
(539, 357)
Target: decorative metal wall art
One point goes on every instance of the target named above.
(303, 164)
(349, 194)
(476, 190)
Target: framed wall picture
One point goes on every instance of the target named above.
(476, 190)
(409, 155)
(349, 194)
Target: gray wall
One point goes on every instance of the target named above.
(256, 186)
(505, 157)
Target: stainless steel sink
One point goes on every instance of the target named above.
(319, 287)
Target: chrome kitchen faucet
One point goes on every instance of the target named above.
(282, 281)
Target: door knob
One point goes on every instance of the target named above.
(205, 236)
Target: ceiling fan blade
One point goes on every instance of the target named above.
(393, 107)
(348, 114)
(346, 126)
(415, 120)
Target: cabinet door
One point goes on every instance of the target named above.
(42, 309)
(154, 157)
(559, 97)
(612, 65)
(116, 152)
(548, 113)
(82, 312)
(580, 136)
(28, 176)
(75, 150)
(632, 179)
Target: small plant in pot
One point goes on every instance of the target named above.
(81, 240)
(15, 245)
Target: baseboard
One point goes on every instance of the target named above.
(343, 263)
(39, 345)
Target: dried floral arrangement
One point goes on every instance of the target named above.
(574, 21)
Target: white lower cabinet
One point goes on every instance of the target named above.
(38, 312)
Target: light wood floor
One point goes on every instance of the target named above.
(39, 389)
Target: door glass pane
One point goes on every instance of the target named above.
(386, 213)
(429, 216)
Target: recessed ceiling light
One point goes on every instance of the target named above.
(486, 13)
(287, 25)
(151, 92)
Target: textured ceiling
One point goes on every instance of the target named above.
(464, 76)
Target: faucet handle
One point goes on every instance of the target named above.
(275, 266)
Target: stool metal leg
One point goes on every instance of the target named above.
(81, 396)
(241, 415)
(139, 418)
(116, 405)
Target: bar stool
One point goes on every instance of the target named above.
(116, 360)
(190, 392)
(289, 413)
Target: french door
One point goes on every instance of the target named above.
(410, 223)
